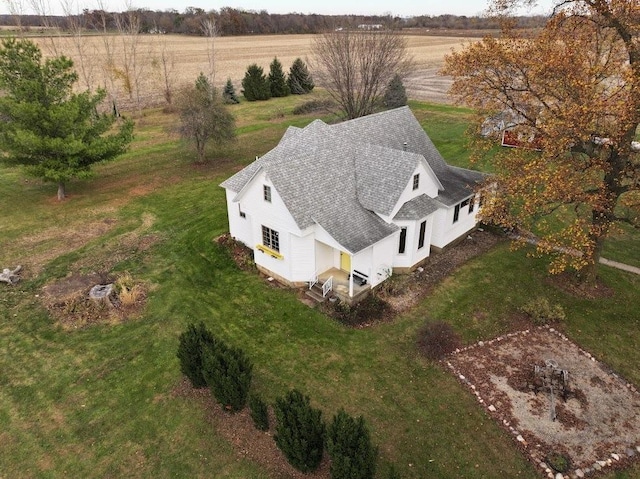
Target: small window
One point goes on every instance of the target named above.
(423, 229)
(267, 193)
(416, 181)
(271, 238)
(403, 240)
(472, 205)
(242, 213)
(456, 213)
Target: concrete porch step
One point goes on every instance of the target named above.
(315, 293)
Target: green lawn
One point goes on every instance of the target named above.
(101, 401)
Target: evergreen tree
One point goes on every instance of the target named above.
(277, 80)
(193, 342)
(229, 93)
(204, 117)
(299, 431)
(228, 373)
(259, 412)
(55, 133)
(349, 446)
(299, 80)
(395, 95)
(255, 85)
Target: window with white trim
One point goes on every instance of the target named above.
(423, 229)
(416, 181)
(242, 213)
(271, 238)
(456, 213)
(266, 193)
(403, 240)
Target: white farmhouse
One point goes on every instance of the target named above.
(346, 205)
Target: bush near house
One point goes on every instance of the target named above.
(259, 412)
(300, 431)
(193, 341)
(353, 456)
(227, 371)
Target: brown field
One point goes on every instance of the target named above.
(188, 57)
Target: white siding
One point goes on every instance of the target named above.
(274, 215)
(428, 185)
(445, 230)
(382, 259)
(239, 228)
(324, 257)
(302, 257)
(362, 263)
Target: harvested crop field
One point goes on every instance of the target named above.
(185, 57)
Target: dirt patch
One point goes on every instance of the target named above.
(248, 442)
(68, 302)
(597, 424)
(403, 292)
(570, 284)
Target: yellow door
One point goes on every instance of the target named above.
(345, 262)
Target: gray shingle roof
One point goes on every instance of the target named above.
(417, 208)
(458, 184)
(338, 175)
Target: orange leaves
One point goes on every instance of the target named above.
(575, 88)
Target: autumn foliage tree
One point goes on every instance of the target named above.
(574, 88)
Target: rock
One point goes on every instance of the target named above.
(601, 463)
(597, 466)
(519, 438)
(492, 408)
(630, 452)
(10, 276)
(559, 476)
(101, 291)
(615, 456)
(579, 473)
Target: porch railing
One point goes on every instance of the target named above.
(313, 281)
(327, 286)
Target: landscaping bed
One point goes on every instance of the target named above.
(597, 425)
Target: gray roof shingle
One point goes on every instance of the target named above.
(417, 208)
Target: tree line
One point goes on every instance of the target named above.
(231, 21)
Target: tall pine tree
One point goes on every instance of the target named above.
(277, 80)
(55, 133)
(255, 85)
(299, 80)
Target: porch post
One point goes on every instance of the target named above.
(351, 276)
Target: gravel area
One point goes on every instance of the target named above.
(597, 424)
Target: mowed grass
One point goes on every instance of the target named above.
(104, 401)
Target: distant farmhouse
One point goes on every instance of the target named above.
(346, 205)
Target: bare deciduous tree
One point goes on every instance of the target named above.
(166, 63)
(76, 24)
(210, 31)
(356, 66)
(131, 69)
(16, 10)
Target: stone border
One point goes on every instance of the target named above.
(579, 473)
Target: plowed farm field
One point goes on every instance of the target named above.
(179, 59)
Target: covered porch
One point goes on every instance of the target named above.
(341, 285)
